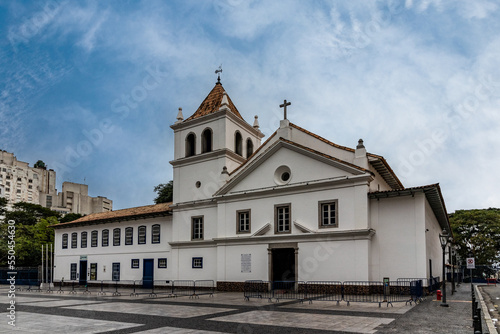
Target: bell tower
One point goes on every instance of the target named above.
(209, 144)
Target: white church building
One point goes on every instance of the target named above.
(296, 207)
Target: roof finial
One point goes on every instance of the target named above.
(218, 72)
(180, 117)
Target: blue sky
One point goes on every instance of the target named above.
(92, 87)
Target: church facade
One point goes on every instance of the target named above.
(296, 207)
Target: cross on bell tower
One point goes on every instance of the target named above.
(284, 105)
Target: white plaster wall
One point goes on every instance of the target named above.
(433, 245)
(230, 263)
(352, 210)
(398, 247)
(123, 253)
(187, 272)
(303, 168)
(324, 260)
(182, 223)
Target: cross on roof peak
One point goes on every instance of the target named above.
(284, 105)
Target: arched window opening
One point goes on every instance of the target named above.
(190, 145)
(206, 141)
(249, 147)
(238, 144)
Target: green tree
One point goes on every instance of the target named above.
(478, 232)
(69, 217)
(31, 232)
(164, 192)
(3, 204)
(40, 164)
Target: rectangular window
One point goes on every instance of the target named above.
(162, 263)
(197, 262)
(142, 235)
(93, 239)
(116, 237)
(65, 241)
(135, 263)
(116, 272)
(105, 238)
(93, 271)
(243, 221)
(83, 240)
(282, 218)
(197, 228)
(72, 273)
(328, 214)
(74, 240)
(155, 234)
(129, 235)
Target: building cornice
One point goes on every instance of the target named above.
(207, 157)
(360, 234)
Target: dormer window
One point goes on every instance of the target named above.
(238, 143)
(206, 141)
(190, 145)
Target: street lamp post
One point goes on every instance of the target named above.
(443, 239)
(452, 249)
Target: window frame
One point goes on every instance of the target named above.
(320, 213)
(74, 240)
(129, 236)
(277, 207)
(161, 260)
(238, 221)
(115, 271)
(135, 263)
(105, 236)
(117, 241)
(197, 262)
(153, 241)
(94, 238)
(201, 232)
(72, 271)
(83, 241)
(141, 235)
(64, 241)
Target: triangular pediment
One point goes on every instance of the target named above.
(303, 165)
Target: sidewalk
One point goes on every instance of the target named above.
(430, 317)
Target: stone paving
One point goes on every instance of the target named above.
(41, 312)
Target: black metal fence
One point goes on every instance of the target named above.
(172, 288)
(403, 290)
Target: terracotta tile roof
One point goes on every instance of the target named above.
(326, 155)
(212, 103)
(321, 138)
(380, 164)
(125, 214)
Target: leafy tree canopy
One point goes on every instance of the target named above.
(164, 192)
(40, 164)
(29, 214)
(32, 231)
(3, 204)
(70, 217)
(477, 232)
